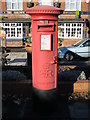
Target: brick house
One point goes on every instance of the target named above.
(71, 30)
(16, 22)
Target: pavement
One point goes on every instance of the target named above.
(17, 59)
(79, 110)
(23, 108)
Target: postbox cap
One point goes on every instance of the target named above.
(44, 9)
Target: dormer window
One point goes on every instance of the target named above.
(72, 5)
(14, 4)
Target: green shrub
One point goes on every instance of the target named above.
(77, 12)
(1, 17)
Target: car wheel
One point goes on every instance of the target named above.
(69, 56)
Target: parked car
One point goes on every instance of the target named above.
(81, 49)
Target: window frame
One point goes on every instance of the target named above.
(75, 5)
(11, 2)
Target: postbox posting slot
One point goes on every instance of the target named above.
(45, 27)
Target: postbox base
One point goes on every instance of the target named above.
(44, 101)
(46, 95)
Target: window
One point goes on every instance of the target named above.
(15, 30)
(86, 44)
(73, 5)
(70, 30)
(24, 29)
(18, 32)
(46, 2)
(8, 32)
(14, 4)
(25, 25)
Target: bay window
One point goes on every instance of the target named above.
(70, 30)
(13, 30)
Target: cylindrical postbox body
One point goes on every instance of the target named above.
(44, 46)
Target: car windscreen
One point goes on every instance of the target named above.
(80, 42)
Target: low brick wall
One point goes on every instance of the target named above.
(81, 86)
(68, 42)
(11, 43)
(14, 43)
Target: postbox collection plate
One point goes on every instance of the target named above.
(45, 42)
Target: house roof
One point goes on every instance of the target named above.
(80, 20)
(16, 18)
(25, 18)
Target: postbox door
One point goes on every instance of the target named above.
(48, 61)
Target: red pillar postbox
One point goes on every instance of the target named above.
(44, 46)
